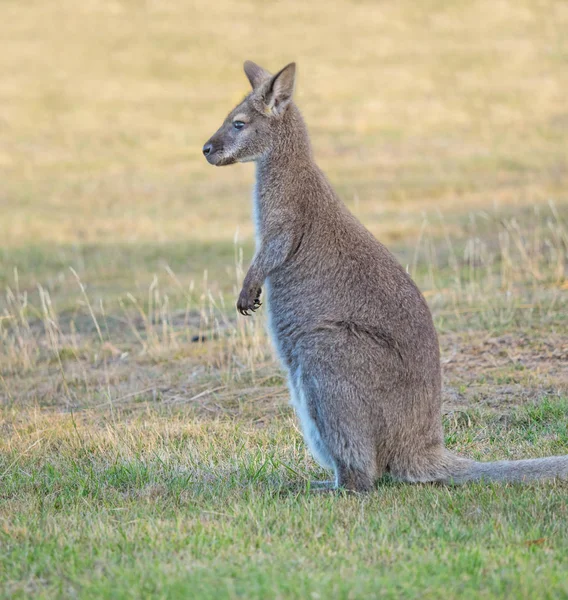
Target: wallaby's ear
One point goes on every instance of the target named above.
(256, 74)
(280, 88)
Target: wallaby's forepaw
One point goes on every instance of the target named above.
(249, 299)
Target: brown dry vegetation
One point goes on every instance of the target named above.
(137, 462)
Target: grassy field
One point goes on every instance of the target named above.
(136, 462)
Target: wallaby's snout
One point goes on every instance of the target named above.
(213, 150)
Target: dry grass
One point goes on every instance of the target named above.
(101, 354)
(138, 462)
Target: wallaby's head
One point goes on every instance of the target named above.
(252, 128)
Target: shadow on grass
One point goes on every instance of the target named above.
(110, 270)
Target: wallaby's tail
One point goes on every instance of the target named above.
(460, 470)
(445, 467)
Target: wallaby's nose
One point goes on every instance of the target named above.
(207, 149)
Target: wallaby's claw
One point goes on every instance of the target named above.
(249, 300)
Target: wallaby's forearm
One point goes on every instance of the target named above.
(271, 254)
(273, 251)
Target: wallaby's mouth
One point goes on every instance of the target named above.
(218, 160)
(215, 156)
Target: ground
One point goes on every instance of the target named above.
(147, 447)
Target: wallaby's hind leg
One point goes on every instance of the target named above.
(354, 479)
(337, 438)
(304, 411)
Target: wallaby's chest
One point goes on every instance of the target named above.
(267, 212)
(257, 213)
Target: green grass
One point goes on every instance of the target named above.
(137, 463)
(165, 506)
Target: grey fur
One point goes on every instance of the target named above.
(351, 328)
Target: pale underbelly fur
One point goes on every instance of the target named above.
(299, 401)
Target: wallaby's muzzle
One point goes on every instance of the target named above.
(214, 152)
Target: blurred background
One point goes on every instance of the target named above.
(430, 108)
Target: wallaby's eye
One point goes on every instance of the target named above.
(238, 124)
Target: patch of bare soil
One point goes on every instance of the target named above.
(499, 372)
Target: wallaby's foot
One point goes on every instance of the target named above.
(249, 299)
(331, 486)
(354, 480)
(323, 486)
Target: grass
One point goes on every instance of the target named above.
(138, 462)
(162, 505)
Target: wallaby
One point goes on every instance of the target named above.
(353, 331)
